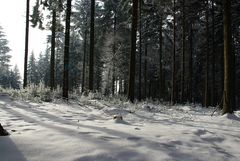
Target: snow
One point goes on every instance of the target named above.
(86, 131)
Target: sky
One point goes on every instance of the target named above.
(12, 19)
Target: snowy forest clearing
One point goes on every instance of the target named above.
(88, 132)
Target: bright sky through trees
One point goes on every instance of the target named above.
(12, 19)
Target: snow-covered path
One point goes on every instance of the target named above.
(61, 132)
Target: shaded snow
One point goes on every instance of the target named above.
(88, 132)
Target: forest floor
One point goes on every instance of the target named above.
(86, 131)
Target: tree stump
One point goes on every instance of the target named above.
(3, 132)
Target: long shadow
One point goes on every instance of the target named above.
(29, 107)
(9, 151)
(167, 148)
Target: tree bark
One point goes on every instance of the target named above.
(66, 51)
(114, 51)
(213, 102)
(26, 44)
(161, 82)
(228, 57)
(52, 61)
(91, 56)
(145, 70)
(206, 96)
(131, 85)
(173, 90)
(191, 64)
(140, 52)
(183, 53)
(84, 60)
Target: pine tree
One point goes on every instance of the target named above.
(33, 77)
(207, 94)
(131, 85)
(55, 7)
(173, 81)
(26, 44)
(43, 66)
(4, 60)
(91, 57)
(228, 60)
(15, 78)
(66, 50)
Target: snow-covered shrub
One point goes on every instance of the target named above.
(36, 93)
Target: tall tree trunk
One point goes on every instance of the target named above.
(66, 50)
(132, 64)
(26, 44)
(183, 53)
(125, 86)
(140, 52)
(52, 61)
(228, 57)
(213, 102)
(91, 56)
(114, 51)
(161, 82)
(84, 60)
(173, 90)
(191, 64)
(206, 94)
(145, 70)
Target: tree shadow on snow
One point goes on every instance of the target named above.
(169, 149)
(9, 151)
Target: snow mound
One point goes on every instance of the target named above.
(119, 119)
(231, 117)
(200, 132)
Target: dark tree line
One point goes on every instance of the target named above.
(178, 51)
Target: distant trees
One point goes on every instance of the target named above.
(9, 78)
(37, 19)
(33, 77)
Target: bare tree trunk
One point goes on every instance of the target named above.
(84, 60)
(161, 82)
(52, 61)
(213, 58)
(66, 51)
(114, 51)
(206, 97)
(228, 57)
(191, 64)
(26, 45)
(173, 90)
(140, 52)
(91, 56)
(145, 70)
(132, 64)
(183, 53)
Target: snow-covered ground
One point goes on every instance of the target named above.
(86, 131)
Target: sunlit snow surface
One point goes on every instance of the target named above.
(88, 132)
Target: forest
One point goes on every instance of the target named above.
(176, 51)
(128, 79)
